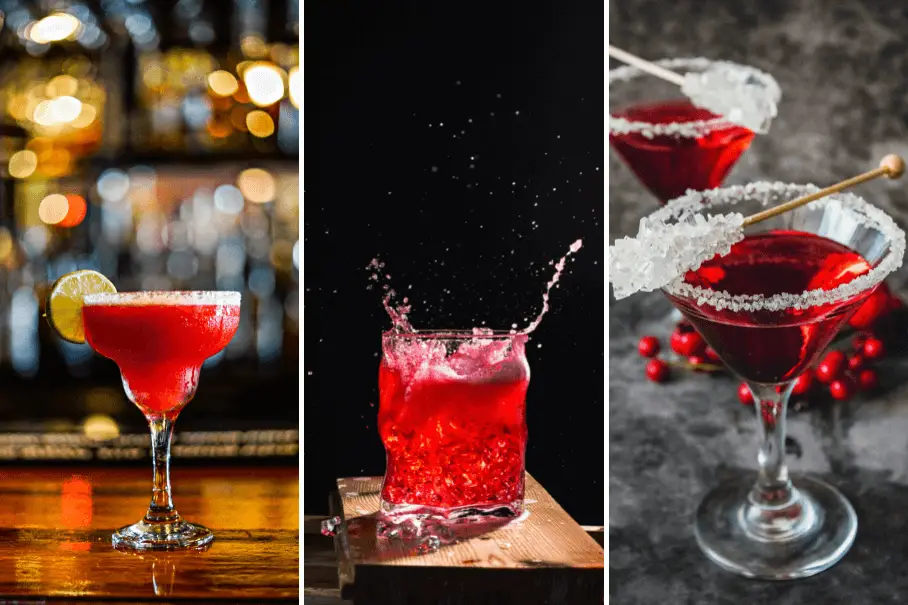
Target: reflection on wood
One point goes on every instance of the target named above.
(542, 557)
(55, 528)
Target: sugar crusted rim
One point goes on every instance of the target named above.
(863, 212)
(692, 129)
(175, 298)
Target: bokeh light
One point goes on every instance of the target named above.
(76, 211)
(22, 164)
(257, 185)
(264, 84)
(260, 123)
(222, 83)
(54, 28)
(296, 87)
(113, 185)
(53, 209)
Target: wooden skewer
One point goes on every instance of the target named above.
(647, 66)
(892, 166)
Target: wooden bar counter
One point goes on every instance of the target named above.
(55, 528)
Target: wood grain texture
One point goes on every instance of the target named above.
(542, 557)
(55, 527)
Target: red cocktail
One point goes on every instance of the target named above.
(769, 308)
(159, 340)
(452, 417)
(670, 164)
(670, 144)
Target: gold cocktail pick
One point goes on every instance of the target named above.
(892, 166)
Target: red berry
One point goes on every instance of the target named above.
(696, 361)
(855, 362)
(712, 355)
(857, 343)
(842, 389)
(687, 343)
(657, 370)
(867, 380)
(648, 346)
(831, 366)
(744, 394)
(872, 309)
(873, 348)
(803, 383)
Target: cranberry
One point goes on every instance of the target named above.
(657, 370)
(696, 361)
(648, 346)
(842, 388)
(744, 394)
(855, 362)
(867, 380)
(803, 383)
(873, 348)
(687, 343)
(857, 343)
(831, 366)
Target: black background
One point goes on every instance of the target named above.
(398, 98)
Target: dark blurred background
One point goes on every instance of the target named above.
(462, 144)
(155, 141)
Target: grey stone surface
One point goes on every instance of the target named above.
(843, 70)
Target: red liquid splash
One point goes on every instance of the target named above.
(670, 165)
(454, 423)
(160, 348)
(772, 347)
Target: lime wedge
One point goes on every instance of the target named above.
(65, 301)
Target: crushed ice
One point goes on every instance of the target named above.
(664, 251)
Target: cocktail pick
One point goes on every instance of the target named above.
(664, 251)
(723, 88)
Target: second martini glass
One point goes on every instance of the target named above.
(769, 308)
(669, 143)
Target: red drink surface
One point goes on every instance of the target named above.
(454, 427)
(771, 347)
(670, 165)
(160, 348)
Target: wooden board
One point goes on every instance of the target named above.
(542, 557)
(55, 527)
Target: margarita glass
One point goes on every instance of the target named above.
(159, 340)
(769, 308)
(669, 143)
(452, 417)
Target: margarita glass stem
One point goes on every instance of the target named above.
(774, 508)
(161, 509)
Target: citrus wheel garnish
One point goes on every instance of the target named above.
(66, 299)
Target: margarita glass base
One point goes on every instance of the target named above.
(819, 535)
(457, 513)
(169, 535)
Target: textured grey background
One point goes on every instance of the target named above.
(843, 70)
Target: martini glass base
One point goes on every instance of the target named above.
(174, 535)
(818, 545)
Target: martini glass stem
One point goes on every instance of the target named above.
(161, 509)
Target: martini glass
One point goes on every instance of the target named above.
(669, 143)
(769, 308)
(160, 340)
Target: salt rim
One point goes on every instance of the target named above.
(693, 129)
(863, 213)
(175, 298)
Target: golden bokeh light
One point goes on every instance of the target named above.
(60, 110)
(257, 185)
(86, 117)
(62, 86)
(296, 87)
(53, 209)
(6, 244)
(54, 28)
(22, 164)
(222, 83)
(264, 84)
(260, 123)
(100, 427)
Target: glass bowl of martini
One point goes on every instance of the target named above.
(769, 308)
